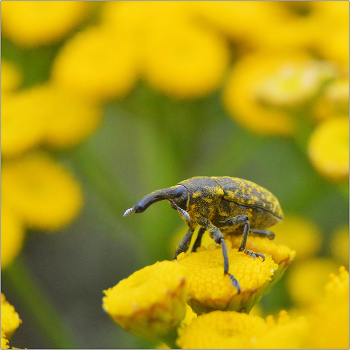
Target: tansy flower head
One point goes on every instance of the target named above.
(34, 23)
(209, 289)
(241, 99)
(328, 148)
(280, 253)
(329, 325)
(10, 77)
(40, 191)
(96, 64)
(334, 100)
(9, 317)
(183, 60)
(151, 302)
(222, 330)
(12, 234)
(307, 278)
(300, 234)
(22, 122)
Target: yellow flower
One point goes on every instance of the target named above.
(222, 330)
(334, 101)
(340, 245)
(328, 148)
(22, 123)
(330, 322)
(209, 289)
(10, 77)
(12, 235)
(9, 317)
(97, 65)
(34, 23)
(300, 234)
(151, 302)
(242, 91)
(183, 60)
(4, 341)
(286, 333)
(41, 191)
(307, 278)
(280, 254)
(332, 21)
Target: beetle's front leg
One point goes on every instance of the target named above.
(218, 237)
(184, 244)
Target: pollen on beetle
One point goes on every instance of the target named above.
(151, 302)
(209, 289)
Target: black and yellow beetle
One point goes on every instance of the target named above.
(219, 205)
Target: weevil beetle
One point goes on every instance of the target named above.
(219, 205)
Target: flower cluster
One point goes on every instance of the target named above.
(156, 315)
(9, 321)
(152, 302)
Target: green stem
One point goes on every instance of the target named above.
(170, 339)
(38, 305)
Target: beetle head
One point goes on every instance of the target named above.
(178, 194)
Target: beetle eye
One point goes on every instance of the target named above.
(181, 197)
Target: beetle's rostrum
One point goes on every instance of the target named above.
(220, 205)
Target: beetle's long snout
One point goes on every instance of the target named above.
(156, 196)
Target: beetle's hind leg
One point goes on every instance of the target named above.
(242, 220)
(184, 244)
(263, 233)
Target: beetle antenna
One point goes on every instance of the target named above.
(182, 212)
(129, 212)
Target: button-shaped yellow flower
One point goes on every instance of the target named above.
(222, 330)
(9, 317)
(40, 191)
(329, 148)
(151, 302)
(34, 23)
(12, 235)
(330, 323)
(209, 289)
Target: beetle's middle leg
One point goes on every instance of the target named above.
(242, 220)
(218, 237)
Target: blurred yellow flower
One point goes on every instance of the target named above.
(34, 23)
(328, 148)
(10, 77)
(41, 191)
(222, 330)
(4, 341)
(307, 278)
(209, 289)
(183, 60)
(9, 317)
(12, 235)
(286, 333)
(242, 91)
(340, 246)
(22, 122)
(330, 321)
(96, 64)
(151, 302)
(332, 40)
(334, 101)
(300, 234)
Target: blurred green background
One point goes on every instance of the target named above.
(147, 140)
